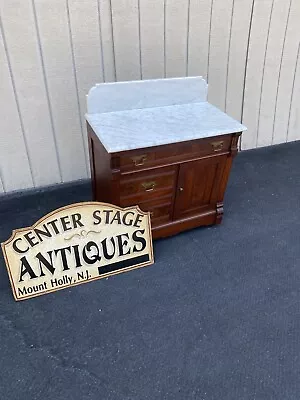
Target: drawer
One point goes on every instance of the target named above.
(160, 210)
(172, 153)
(147, 185)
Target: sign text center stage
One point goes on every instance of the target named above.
(76, 244)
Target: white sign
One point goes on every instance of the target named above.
(77, 244)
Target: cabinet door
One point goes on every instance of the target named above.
(198, 186)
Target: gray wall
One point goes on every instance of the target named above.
(53, 51)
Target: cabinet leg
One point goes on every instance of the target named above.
(220, 211)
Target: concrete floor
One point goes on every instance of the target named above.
(216, 317)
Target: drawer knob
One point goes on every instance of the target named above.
(149, 186)
(217, 146)
(181, 189)
(139, 160)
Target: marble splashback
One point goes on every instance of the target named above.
(108, 97)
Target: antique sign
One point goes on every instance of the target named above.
(77, 244)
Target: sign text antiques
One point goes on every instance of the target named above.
(76, 244)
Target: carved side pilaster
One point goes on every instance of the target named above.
(220, 212)
(115, 181)
(234, 144)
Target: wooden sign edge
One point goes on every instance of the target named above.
(83, 203)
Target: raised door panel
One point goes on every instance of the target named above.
(198, 186)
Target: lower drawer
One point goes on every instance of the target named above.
(160, 210)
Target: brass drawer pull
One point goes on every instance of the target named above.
(139, 160)
(217, 146)
(149, 186)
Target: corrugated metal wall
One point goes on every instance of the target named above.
(53, 51)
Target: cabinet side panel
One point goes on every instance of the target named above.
(225, 177)
(92, 163)
(101, 173)
(228, 165)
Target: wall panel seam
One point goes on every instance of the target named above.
(263, 74)
(113, 39)
(101, 41)
(46, 88)
(140, 39)
(17, 101)
(209, 38)
(280, 70)
(2, 181)
(188, 37)
(246, 69)
(76, 85)
(165, 25)
(292, 94)
(228, 56)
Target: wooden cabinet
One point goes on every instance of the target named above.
(182, 185)
(141, 151)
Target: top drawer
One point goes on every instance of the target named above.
(135, 160)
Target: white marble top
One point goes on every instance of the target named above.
(154, 126)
